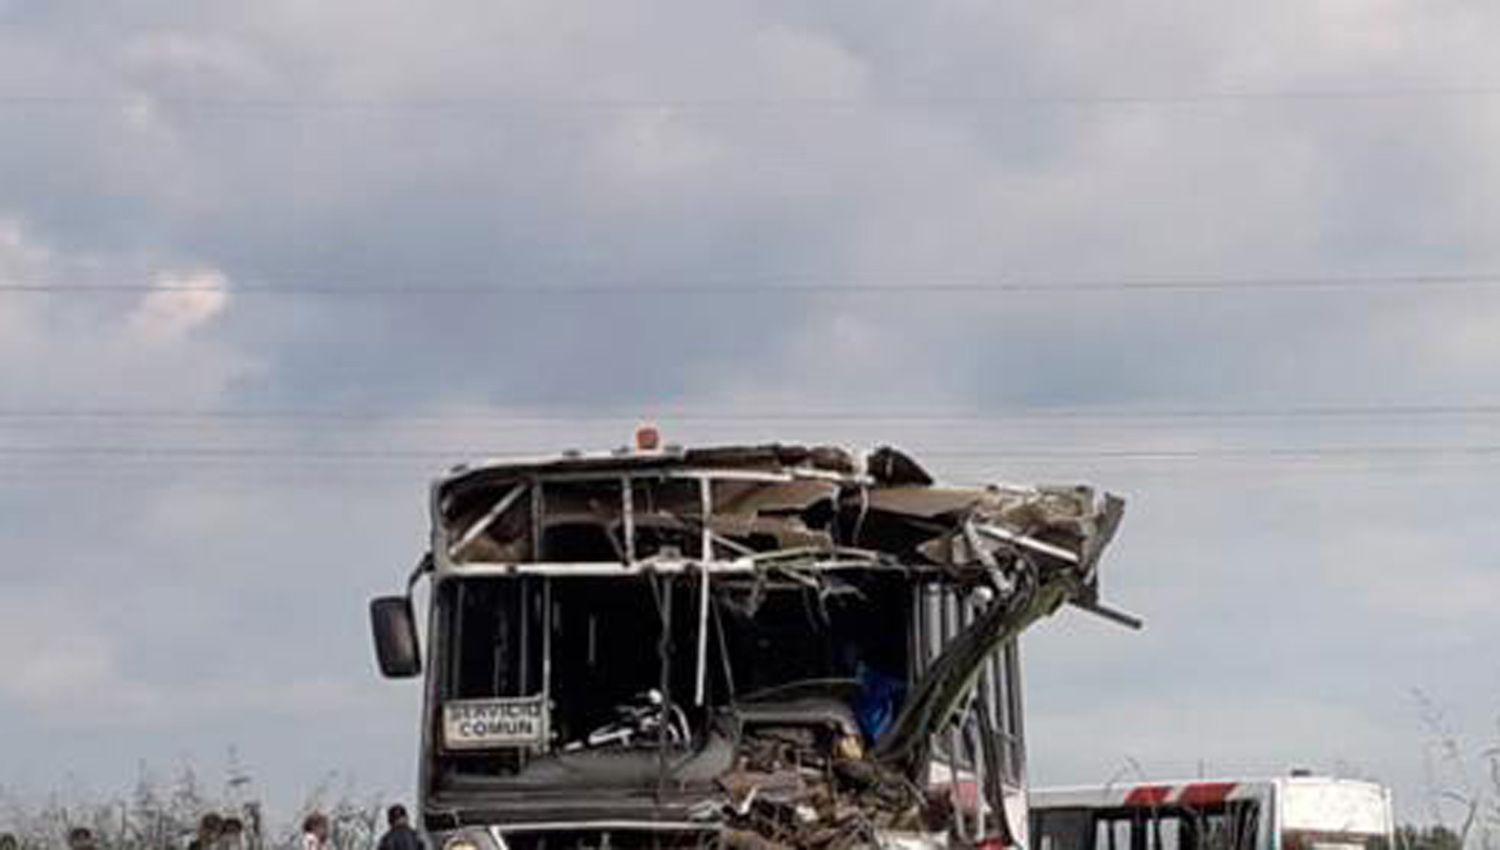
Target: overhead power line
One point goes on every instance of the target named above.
(455, 454)
(503, 105)
(491, 418)
(775, 285)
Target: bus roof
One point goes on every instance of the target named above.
(836, 461)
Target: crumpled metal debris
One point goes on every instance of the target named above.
(1027, 552)
(788, 792)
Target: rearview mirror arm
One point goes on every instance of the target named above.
(425, 565)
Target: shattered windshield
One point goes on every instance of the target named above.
(597, 644)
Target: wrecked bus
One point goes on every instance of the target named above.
(742, 647)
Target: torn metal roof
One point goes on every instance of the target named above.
(741, 506)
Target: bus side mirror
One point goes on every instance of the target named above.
(395, 630)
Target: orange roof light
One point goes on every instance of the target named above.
(647, 438)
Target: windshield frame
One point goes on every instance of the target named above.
(713, 691)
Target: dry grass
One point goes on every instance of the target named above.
(162, 814)
(1463, 780)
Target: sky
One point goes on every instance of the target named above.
(265, 269)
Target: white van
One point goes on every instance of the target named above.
(1284, 813)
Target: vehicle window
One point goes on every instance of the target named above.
(1064, 829)
(1225, 827)
(1113, 833)
(1166, 834)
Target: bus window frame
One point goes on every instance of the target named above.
(1145, 826)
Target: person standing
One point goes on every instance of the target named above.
(315, 832)
(231, 835)
(208, 832)
(399, 835)
(82, 838)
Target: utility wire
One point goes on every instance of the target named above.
(1415, 450)
(777, 285)
(22, 415)
(480, 105)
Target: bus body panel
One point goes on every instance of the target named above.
(1334, 805)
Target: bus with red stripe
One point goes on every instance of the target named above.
(1298, 812)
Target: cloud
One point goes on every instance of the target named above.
(181, 302)
(63, 665)
(166, 56)
(810, 64)
(1239, 734)
(46, 673)
(1429, 575)
(651, 146)
(67, 350)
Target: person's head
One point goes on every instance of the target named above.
(81, 838)
(316, 824)
(396, 815)
(231, 833)
(8, 841)
(209, 826)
